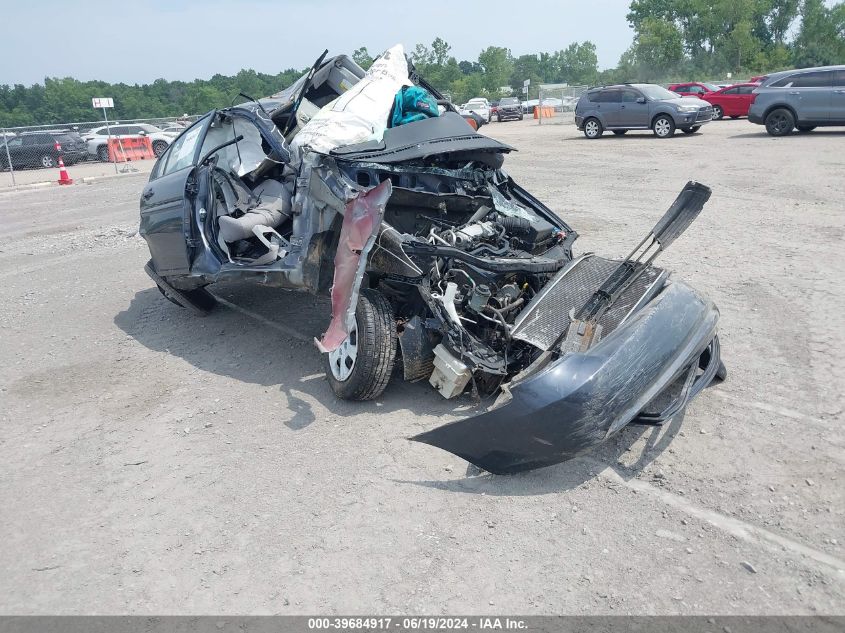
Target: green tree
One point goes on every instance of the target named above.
(821, 38)
(578, 64)
(362, 57)
(658, 49)
(497, 65)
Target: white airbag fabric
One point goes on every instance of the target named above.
(360, 114)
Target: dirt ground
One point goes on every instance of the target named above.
(156, 463)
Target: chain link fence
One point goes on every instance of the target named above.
(24, 150)
(556, 104)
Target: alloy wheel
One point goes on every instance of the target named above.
(47, 161)
(662, 127)
(591, 128)
(779, 123)
(342, 360)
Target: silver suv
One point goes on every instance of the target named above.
(804, 98)
(639, 107)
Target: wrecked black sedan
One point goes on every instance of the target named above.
(353, 184)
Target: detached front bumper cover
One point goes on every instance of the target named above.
(581, 399)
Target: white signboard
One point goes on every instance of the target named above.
(525, 90)
(526, 83)
(102, 102)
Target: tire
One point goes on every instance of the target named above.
(691, 130)
(779, 122)
(521, 117)
(718, 112)
(593, 128)
(159, 147)
(619, 132)
(663, 126)
(806, 128)
(103, 153)
(360, 368)
(199, 301)
(47, 161)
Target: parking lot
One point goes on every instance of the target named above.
(157, 463)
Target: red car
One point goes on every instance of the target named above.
(693, 89)
(732, 101)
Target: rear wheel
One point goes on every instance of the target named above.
(593, 128)
(360, 368)
(692, 130)
(47, 161)
(619, 132)
(663, 126)
(718, 112)
(780, 122)
(806, 128)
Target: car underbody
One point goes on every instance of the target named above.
(437, 262)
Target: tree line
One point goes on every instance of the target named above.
(673, 40)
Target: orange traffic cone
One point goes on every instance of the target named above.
(64, 179)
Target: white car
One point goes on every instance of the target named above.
(480, 106)
(97, 138)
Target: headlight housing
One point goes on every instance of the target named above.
(687, 108)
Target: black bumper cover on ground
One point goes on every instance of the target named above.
(582, 399)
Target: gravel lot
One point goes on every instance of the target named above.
(156, 463)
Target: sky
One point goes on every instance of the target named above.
(132, 41)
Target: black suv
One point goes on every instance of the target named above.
(509, 108)
(42, 149)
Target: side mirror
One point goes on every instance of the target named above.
(640, 99)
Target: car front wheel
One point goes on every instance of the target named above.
(360, 367)
(663, 126)
(593, 128)
(718, 112)
(780, 122)
(47, 161)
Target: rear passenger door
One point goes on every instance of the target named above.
(837, 99)
(609, 105)
(728, 99)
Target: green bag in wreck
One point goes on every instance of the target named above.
(410, 104)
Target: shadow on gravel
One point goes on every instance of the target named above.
(571, 474)
(762, 134)
(249, 349)
(633, 135)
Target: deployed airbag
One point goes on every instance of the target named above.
(361, 113)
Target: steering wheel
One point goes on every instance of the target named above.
(307, 84)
